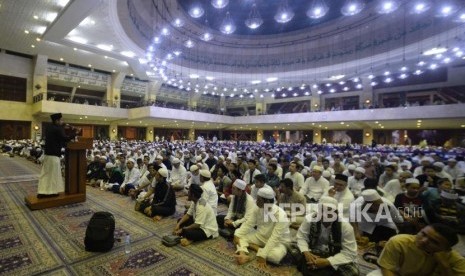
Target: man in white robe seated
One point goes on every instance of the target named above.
(341, 193)
(314, 186)
(259, 180)
(396, 186)
(328, 246)
(271, 235)
(199, 222)
(178, 175)
(356, 182)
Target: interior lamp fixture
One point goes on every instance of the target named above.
(420, 6)
(196, 11)
(446, 9)
(254, 20)
(435, 51)
(178, 23)
(228, 26)
(189, 43)
(318, 9)
(387, 6)
(284, 14)
(206, 37)
(460, 18)
(219, 4)
(352, 7)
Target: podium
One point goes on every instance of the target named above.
(75, 178)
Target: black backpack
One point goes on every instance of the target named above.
(100, 232)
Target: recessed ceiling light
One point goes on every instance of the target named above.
(61, 59)
(105, 47)
(38, 39)
(78, 39)
(90, 65)
(36, 17)
(114, 70)
(128, 54)
(33, 46)
(75, 49)
(26, 31)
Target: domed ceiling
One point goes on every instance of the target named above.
(260, 44)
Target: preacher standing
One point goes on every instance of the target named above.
(51, 180)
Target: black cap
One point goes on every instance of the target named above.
(56, 116)
(341, 177)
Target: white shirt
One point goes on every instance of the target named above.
(131, 177)
(210, 194)
(271, 233)
(369, 226)
(248, 178)
(178, 176)
(314, 188)
(345, 198)
(203, 214)
(392, 189)
(355, 185)
(455, 172)
(249, 209)
(348, 253)
(297, 178)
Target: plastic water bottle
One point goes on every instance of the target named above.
(127, 244)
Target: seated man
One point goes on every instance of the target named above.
(114, 176)
(270, 236)
(409, 205)
(341, 193)
(447, 210)
(427, 253)
(433, 194)
(199, 222)
(396, 186)
(163, 203)
(428, 178)
(378, 222)
(178, 175)
(131, 177)
(240, 209)
(328, 245)
(287, 197)
(259, 181)
(96, 171)
(356, 182)
(314, 187)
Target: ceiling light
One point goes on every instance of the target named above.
(346, 88)
(90, 65)
(165, 31)
(62, 3)
(403, 76)
(337, 77)
(352, 7)
(177, 52)
(193, 76)
(460, 18)
(38, 39)
(307, 93)
(189, 43)
(283, 95)
(196, 11)
(33, 46)
(418, 72)
(228, 26)
(435, 51)
(421, 63)
(433, 66)
(209, 78)
(356, 80)
(50, 17)
(332, 90)
(36, 17)
(373, 83)
(371, 77)
(284, 13)
(318, 9)
(315, 86)
(420, 6)
(219, 4)
(261, 95)
(256, 82)
(387, 73)
(78, 39)
(447, 60)
(290, 89)
(387, 6)
(446, 10)
(75, 49)
(178, 23)
(254, 20)
(156, 40)
(40, 29)
(359, 86)
(26, 31)
(388, 80)
(128, 54)
(320, 92)
(271, 79)
(105, 47)
(403, 69)
(61, 59)
(206, 37)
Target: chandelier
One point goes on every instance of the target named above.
(219, 4)
(387, 6)
(420, 6)
(197, 11)
(352, 7)
(284, 14)
(228, 26)
(318, 9)
(255, 20)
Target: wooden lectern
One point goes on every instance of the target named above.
(75, 178)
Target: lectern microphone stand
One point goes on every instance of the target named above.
(75, 178)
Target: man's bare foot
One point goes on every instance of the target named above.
(254, 247)
(242, 259)
(157, 218)
(185, 242)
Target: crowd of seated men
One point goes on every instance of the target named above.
(318, 203)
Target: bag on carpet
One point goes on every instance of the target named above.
(100, 232)
(170, 240)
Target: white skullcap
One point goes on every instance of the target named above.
(438, 164)
(304, 172)
(198, 158)
(328, 201)
(176, 161)
(412, 181)
(193, 168)
(351, 167)
(274, 159)
(163, 172)
(318, 168)
(221, 158)
(449, 195)
(451, 160)
(109, 165)
(403, 164)
(427, 159)
(205, 173)
(360, 170)
(356, 156)
(267, 193)
(131, 160)
(370, 195)
(240, 184)
(326, 174)
(159, 157)
(374, 158)
(395, 158)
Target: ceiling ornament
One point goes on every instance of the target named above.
(228, 26)
(219, 4)
(284, 13)
(352, 7)
(254, 20)
(317, 9)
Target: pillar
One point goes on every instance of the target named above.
(39, 78)
(149, 134)
(260, 135)
(153, 89)
(315, 101)
(113, 95)
(367, 136)
(317, 136)
(366, 95)
(191, 135)
(113, 129)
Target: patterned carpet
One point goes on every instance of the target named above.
(51, 241)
